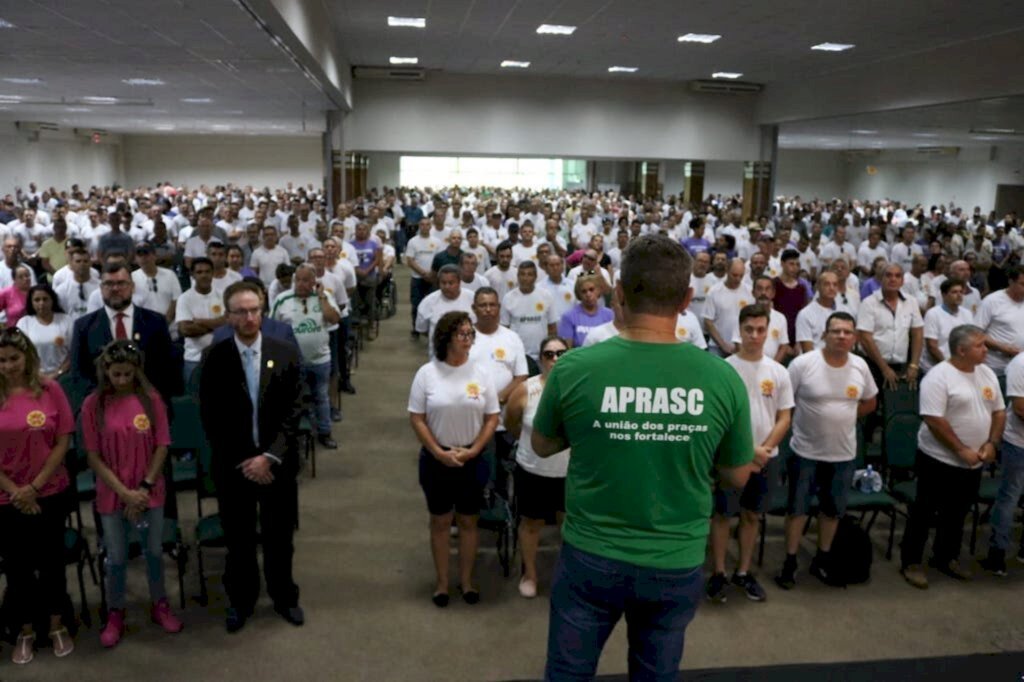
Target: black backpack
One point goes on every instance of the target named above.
(852, 552)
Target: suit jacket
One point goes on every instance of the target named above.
(226, 410)
(149, 332)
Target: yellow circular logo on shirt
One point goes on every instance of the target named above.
(499, 353)
(59, 341)
(707, 288)
(216, 309)
(743, 304)
(141, 422)
(35, 419)
(539, 307)
(681, 332)
(775, 334)
(767, 387)
(987, 393)
(473, 390)
(510, 284)
(851, 391)
(568, 296)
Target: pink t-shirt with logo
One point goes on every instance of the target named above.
(126, 444)
(29, 428)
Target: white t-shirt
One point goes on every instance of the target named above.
(478, 282)
(193, 305)
(51, 340)
(455, 400)
(520, 252)
(335, 289)
(938, 323)
(811, 320)
(422, 250)
(502, 281)
(168, 289)
(723, 306)
(502, 356)
(778, 334)
(1014, 432)
(688, 330)
(433, 307)
(769, 389)
(891, 331)
(972, 297)
(555, 466)
(529, 315)
(866, 255)
(265, 261)
(74, 299)
(220, 284)
(601, 332)
(966, 400)
(306, 317)
(701, 286)
(298, 247)
(562, 295)
(825, 419)
(1003, 320)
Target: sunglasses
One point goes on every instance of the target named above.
(552, 354)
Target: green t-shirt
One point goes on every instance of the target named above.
(647, 423)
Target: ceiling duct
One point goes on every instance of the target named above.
(937, 151)
(384, 73)
(861, 153)
(724, 87)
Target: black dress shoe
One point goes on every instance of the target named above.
(234, 619)
(326, 441)
(440, 600)
(471, 597)
(347, 387)
(292, 614)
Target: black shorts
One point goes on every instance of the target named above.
(539, 497)
(755, 494)
(458, 488)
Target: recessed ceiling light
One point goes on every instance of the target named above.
(78, 110)
(994, 131)
(6, 24)
(510, 64)
(862, 131)
(11, 98)
(163, 127)
(706, 38)
(731, 75)
(411, 22)
(234, 112)
(925, 134)
(985, 137)
(197, 100)
(220, 126)
(24, 81)
(556, 29)
(142, 81)
(832, 47)
(622, 69)
(405, 60)
(100, 100)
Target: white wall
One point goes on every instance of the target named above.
(57, 160)
(723, 177)
(532, 116)
(383, 170)
(811, 173)
(220, 159)
(969, 179)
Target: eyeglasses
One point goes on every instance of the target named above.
(246, 312)
(465, 336)
(552, 354)
(115, 285)
(152, 284)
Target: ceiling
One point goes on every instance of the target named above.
(212, 49)
(948, 125)
(208, 49)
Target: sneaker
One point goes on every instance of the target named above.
(527, 588)
(335, 414)
(786, 579)
(995, 562)
(717, 585)
(750, 586)
(327, 442)
(916, 575)
(1020, 555)
(953, 569)
(414, 336)
(114, 629)
(821, 570)
(347, 387)
(165, 618)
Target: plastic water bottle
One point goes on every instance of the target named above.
(861, 481)
(874, 480)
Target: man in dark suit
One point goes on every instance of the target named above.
(120, 319)
(249, 400)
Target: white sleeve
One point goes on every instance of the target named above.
(870, 387)
(803, 327)
(709, 307)
(418, 392)
(423, 317)
(984, 314)
(491, 405)
(866, 319)
(506, 316)
(786, 401)
(795, 371)
(916, 322)
(182, 312)
(933, 395)
(521, 368)
(931, 324)
(1015, 380)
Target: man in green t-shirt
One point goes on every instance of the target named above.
(650, 421)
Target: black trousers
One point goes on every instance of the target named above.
(419, 289)
(944, 496)
(32, 546)
(240, 501)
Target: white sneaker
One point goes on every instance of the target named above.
(527, 588)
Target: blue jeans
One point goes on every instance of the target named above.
(188, 368)
(116, 533)
(589, 595)
(1010, 490)
(318, 378)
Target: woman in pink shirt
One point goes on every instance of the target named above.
(124, 426)
(35, 428)
(14, 299)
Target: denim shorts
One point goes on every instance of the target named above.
(830, 481)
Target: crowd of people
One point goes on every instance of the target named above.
(818, 308)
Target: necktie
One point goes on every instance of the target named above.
(252, 381)
(81, 291)
(120, 333)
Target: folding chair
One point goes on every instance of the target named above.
(778, 500)
(209, 532)
(900, 456)
(872, 503)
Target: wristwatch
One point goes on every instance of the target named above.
(146, 485)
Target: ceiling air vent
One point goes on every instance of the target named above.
(723, 87)
(383, 73)
(938, 151)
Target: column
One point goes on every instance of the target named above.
(693, 182)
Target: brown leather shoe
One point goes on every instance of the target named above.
(916, 575)
(955, 570)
